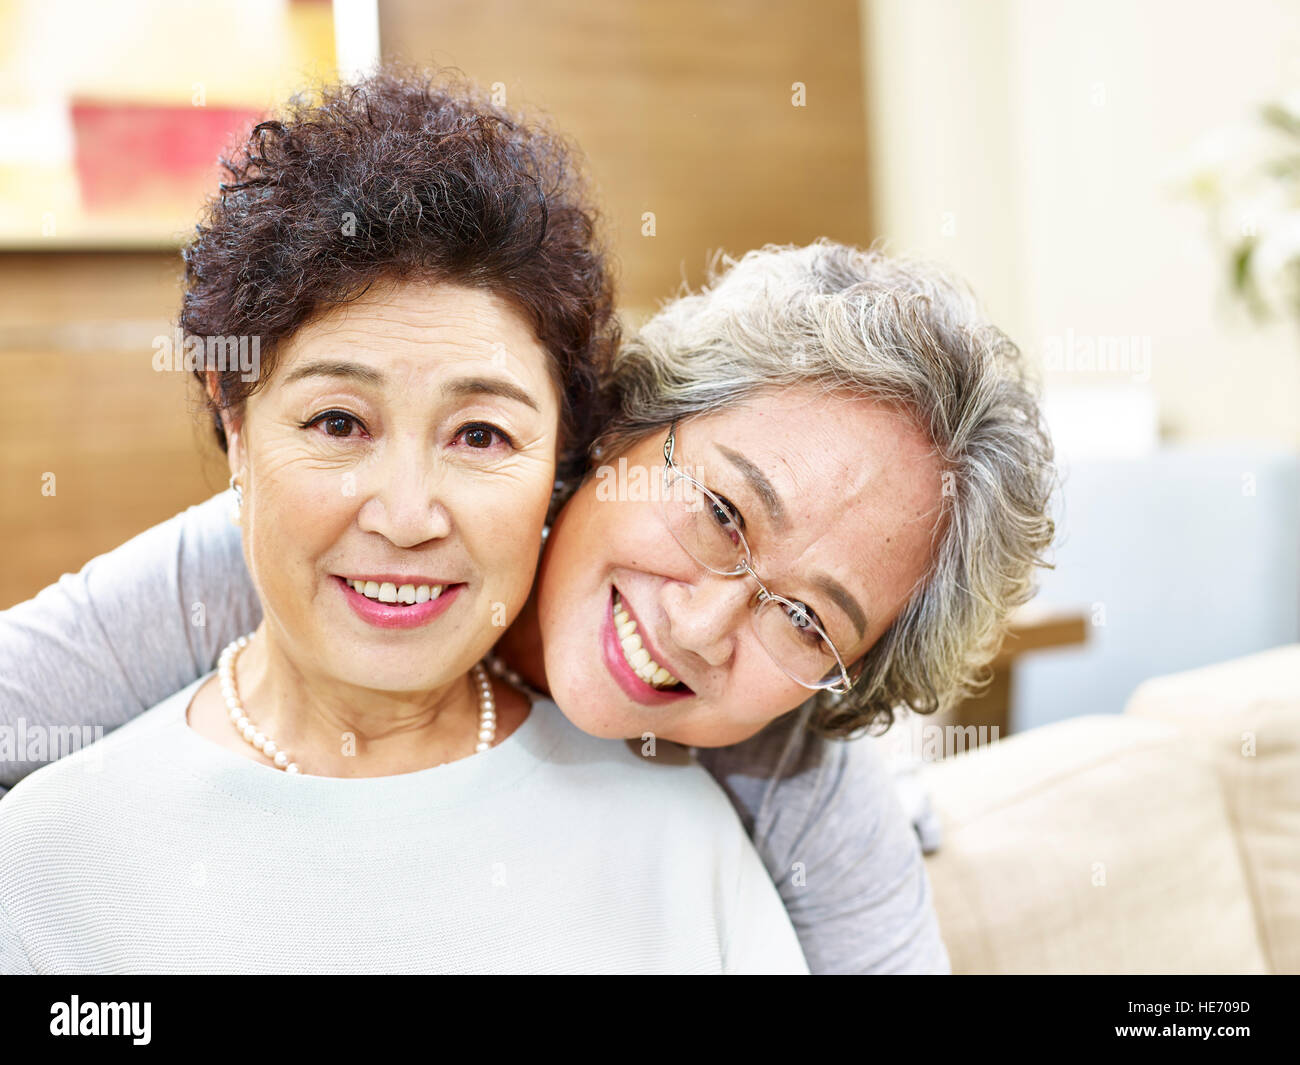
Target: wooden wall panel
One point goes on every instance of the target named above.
(79, 398)
(682, 108)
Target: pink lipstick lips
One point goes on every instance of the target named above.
(624, 675)
(398, 615)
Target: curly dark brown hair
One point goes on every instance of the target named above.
(403, 175)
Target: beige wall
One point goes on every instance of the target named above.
(1030, 145)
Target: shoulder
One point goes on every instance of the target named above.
(87, 775)
(783, 773)
(797, 790)
(647, 755)
(644, 777)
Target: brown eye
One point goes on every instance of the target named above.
(482, 436)
(799, 615)
(805, 621)
(727, 517)
(336, 424)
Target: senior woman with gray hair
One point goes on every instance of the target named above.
(848, 482)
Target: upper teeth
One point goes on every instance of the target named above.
(397, 593)
(635, 654)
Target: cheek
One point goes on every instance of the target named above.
(507, 560)
(567, 566)
(294, 515)
(501, 528)
(631, 535)
(761, 693)
(645, 531)
(579, 540)
(734, 722)
(592, 545)
(757, 693)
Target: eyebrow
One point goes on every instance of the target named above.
(490, 386)
(459, 387)
(841, 598)
(762, 487)
(336, 368)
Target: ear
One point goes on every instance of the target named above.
(232, 422)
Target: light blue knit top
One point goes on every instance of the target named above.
(157, 850)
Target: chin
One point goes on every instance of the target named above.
(593, 720)
(388, 668)
(601, 717)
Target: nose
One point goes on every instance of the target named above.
(704, 617)
(403, 489)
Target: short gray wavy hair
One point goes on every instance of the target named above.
(897, 331)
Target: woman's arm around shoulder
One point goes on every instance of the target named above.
(130, 628)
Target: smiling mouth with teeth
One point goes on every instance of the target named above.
(635, 654)
(399, 594)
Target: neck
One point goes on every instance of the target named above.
(332, 728)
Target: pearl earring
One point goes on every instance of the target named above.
(239, 500)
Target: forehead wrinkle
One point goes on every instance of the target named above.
(374, 332)
(399, 308)
(411, 360)
(838, 539)
(809, 563)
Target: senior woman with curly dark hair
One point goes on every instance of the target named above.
(351, 791)
(820, 485)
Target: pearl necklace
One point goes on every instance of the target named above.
(487, 715)
(507, 674)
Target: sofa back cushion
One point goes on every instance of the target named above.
(1245, 716)
(1101, 844)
